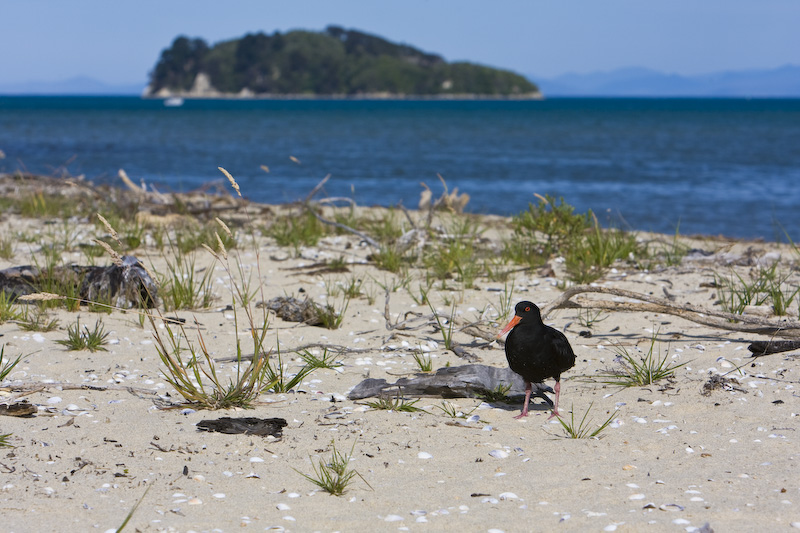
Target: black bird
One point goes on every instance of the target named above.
(536, 351)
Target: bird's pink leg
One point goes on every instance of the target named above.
(524, 412)
(557, 388)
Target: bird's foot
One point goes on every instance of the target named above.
(554, 414)
(523, 414)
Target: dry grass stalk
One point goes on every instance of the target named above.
(222, 249)
(224, 226)
(230, 179)
(115, 258)
(40, 297)
(110, 229)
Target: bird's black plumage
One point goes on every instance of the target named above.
(536, 351)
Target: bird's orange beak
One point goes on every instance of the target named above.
(514, 322)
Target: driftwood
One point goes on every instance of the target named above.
(426, 320)
(759, 348)
(468, 381)
(247, 425)
(125, 286)
(700, 315)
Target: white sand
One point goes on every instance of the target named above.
(672, 460)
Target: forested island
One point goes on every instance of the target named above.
(333, 63)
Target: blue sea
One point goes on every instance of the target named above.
(698, 166)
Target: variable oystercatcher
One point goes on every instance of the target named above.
(536, 351)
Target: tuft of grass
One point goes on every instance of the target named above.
(6, 247)
(4, 440)
(36, 318)
(297, 231)
(506, 300)
(640, 371)
(581, 430)
(280, 379)
(330, 316)
(453, 411)
(588, 258)
(183, 287)
(195, 377)
(6, 366)
(389, 257)
(424, 362)
(385, 403)
(588, 318)
(447, 332)
(499, 394)
(546, 229)
(334, 475)
(78, 339)
(8, 310)
(764, 286)
(456, 253)
(326, 360)
(673, 252)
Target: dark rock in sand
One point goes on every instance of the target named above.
(293, 310)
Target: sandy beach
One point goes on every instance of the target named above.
(679, 455)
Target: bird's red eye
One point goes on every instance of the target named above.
(527, 309)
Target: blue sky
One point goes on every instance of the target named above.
(119, 41)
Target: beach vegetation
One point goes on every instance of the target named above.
(589, 318)
(35, 317)
(190, 367)
(326, 361)
(85, 339)
(582, 429)
(297, 231)
(424, 362)
(455, 252)
(498, 394)
(640, 370)
(453, 411)
(281, 380)
(547, 228)
(6, 366)
(184, 286)
(762, 286)
(8, 309)
(387, 403)
(446, 325)
(334, 474)
(6, 247)
(588, 258)
(390, 258)
(673, 251)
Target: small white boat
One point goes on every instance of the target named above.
(173, 101)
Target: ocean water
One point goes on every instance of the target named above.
(706, 166)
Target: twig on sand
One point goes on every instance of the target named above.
(699, 315)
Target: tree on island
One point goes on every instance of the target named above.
(333, 62)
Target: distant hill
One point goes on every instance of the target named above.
(779, 82)
(77, 86)
(335, 62)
